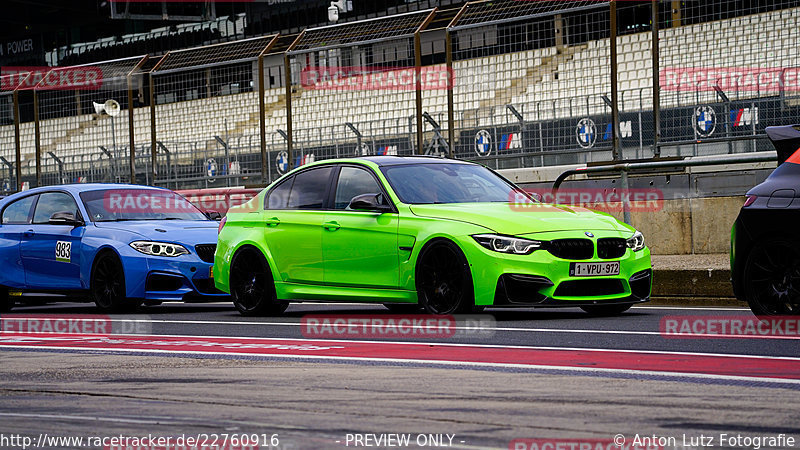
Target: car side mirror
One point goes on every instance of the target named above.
(65, 218)
(369, 202)
(213, 215)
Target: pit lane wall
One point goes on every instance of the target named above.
(698, 208)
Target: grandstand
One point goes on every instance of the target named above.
(552, 86)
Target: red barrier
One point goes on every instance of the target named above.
(218, 199)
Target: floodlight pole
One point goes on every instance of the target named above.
(17, 149)
(131, 125)
(615, 150)
(358, 136)
(418, 76)
(114, 146)
(10, 167)
(60, 166)
(36, 138)
(111, 162)
(656, 83)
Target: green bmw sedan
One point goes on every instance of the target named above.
(412, 233)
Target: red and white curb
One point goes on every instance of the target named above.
(684, 364)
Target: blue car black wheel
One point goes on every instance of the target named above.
(108, 284)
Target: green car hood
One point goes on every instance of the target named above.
(506, 219)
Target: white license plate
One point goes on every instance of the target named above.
(603, 269)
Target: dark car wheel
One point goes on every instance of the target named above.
(443, 279)
(6, 302)
(107, 285)
(606, 310)
(251, 285)
(771, 278)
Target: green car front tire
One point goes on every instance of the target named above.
(252, 287)
(444, 282)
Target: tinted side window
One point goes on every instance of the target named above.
(308, 190)
(51, 203)
(18, 212)
(279, 196)
(353, 182)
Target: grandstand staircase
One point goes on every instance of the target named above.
(252, 120)
(242, 126)
(71, 133)
(532, 76)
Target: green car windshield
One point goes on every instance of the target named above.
(447, 183)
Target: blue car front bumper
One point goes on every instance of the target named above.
(185, 278)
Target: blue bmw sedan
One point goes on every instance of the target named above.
(119, 245)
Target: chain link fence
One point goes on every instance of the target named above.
(506, 83)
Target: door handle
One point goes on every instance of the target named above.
(273, 221)
(331, 226)
(28, 233)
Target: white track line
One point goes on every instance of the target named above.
(94, 418)
(511, 329)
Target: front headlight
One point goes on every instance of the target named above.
(159, 248)
(635, 242)
(507, 244)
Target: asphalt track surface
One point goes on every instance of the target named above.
(492, 380)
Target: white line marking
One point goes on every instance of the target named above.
(695, 308)
(93, 418)
(510, 329)
(449, 363)
(442, 344)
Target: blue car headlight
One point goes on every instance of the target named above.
(507, 244)
(159, 248)
(635, 242)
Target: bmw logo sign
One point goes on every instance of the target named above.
(282, 162)
(586, 133)
(705, 121)
(588, 234)
(483, 143)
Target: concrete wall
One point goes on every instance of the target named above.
(689, 226)
(699, 208)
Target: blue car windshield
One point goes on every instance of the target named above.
(447, 183)
(117, 205)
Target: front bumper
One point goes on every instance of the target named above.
(542, 279)
(185, 278)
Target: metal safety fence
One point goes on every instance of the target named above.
(506, 83)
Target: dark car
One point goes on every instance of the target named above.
(765, 240)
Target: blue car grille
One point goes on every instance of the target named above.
(206, 252)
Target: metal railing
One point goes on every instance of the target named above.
(626, 169)
(529, 84)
